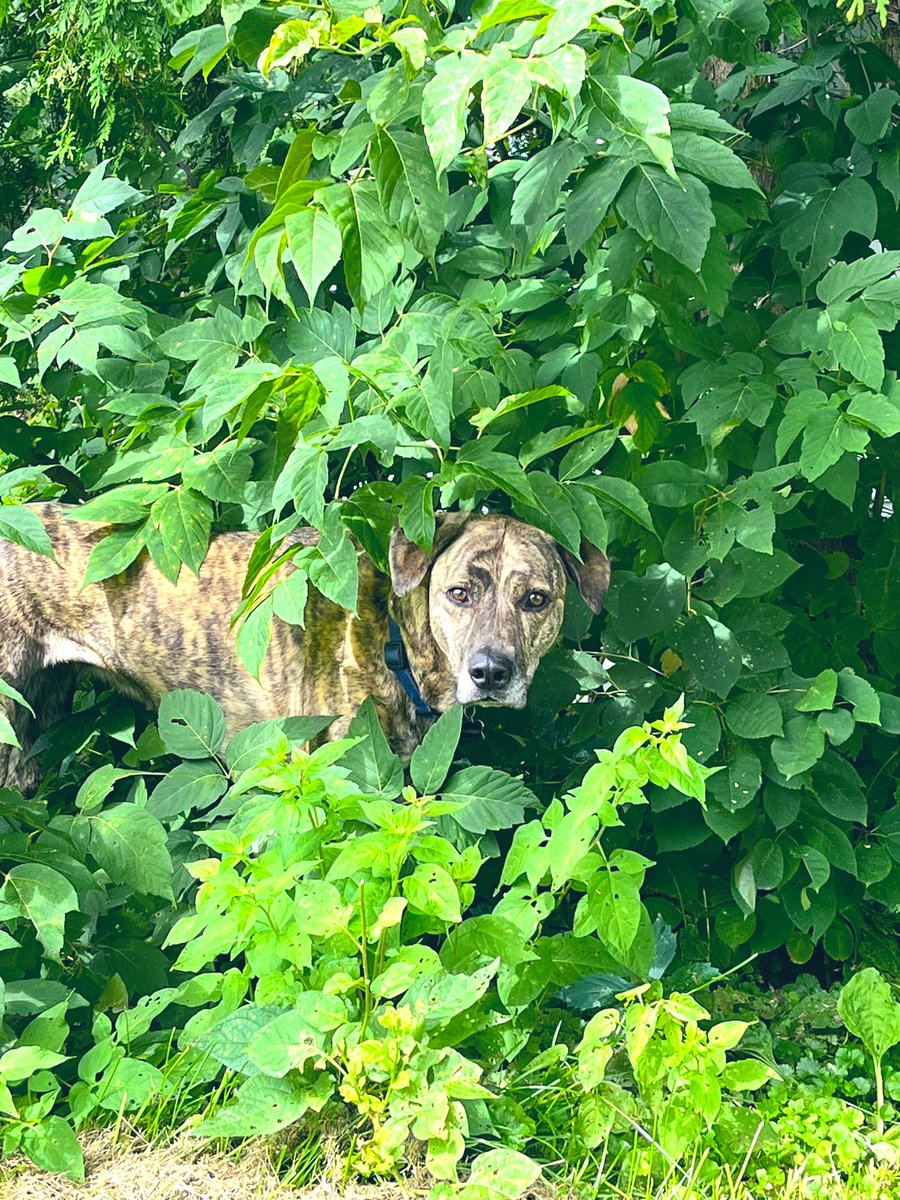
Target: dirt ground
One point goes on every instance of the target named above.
(128, 1169)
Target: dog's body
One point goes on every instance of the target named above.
(467, 613)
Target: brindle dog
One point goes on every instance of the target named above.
(476, 615)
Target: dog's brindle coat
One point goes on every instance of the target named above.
(476, 616)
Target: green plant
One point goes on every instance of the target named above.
(867, 1007)
(330, 899)
(680, 1070)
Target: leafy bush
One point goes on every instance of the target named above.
(383, 298)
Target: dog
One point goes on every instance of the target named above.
(467, 622)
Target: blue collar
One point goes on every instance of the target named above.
(396, 659)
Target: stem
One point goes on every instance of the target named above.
(879, 1097)
(344, 465)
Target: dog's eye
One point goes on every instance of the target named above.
(459, 595)
(536, 600)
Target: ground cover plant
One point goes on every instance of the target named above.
(625, 272)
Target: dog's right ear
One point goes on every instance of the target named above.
(409, 562)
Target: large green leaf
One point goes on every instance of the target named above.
(43, 896)
(634, 115)
(814, 221)
(130, 845)
(408, 188)
(712, 652)
(431, 760)
(314, 242)
(675, 215)
(190, 724)
(505, 89)
(374, 765)
(445, 103)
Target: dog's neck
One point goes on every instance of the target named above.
(427, 661)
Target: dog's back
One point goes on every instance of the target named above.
(137, 629)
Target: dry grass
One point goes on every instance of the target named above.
(124, 1166)
(128, 1168)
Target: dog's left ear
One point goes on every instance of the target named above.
(590, 575)
(409, 562)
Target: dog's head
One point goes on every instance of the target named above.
(496, 591)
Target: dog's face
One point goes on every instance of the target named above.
(496, 591)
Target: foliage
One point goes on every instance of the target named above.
(311, 952)
(388, 300)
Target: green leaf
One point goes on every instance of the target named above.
(674, 215)
(334, 569)
(838, 725)
(867, 1007)
(861, 694)
(858, 348)
(445, 104)
(432, 759)
(826, 437)
(712, 653)
(844, 280)
(254, 635)
(120, 506)
(375, 767)
(263, 1106)
(43, 896)
(710, 159)
(486, 416)
(488, 799)
(320, 909)
(876, 412)
(9, 372)
(614, 902)
(131, 846)
(635, 115)
(222, 474)
(114, 554)
(53, 1146)
(644, 607)
(190, 724)
(408, 187)
(183, 519)
(371, 248)
(591, 199)
(746, 1075)
(191, 786)
(801, 747)
(289, 1041)
(304, 478)
(509, 11)
(314, 242)
(24, 527)
(506, 87)
(870, 120)
(500, 1175)
(539, 184)
(431, 890)
(814, 222)
(99, 784)
(290, 597)
(620, 494)
(820, 693)
(755, 715)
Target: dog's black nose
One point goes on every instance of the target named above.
(490, 671)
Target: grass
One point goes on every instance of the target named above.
(152, 1155)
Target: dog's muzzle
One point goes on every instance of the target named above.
(491, 677)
